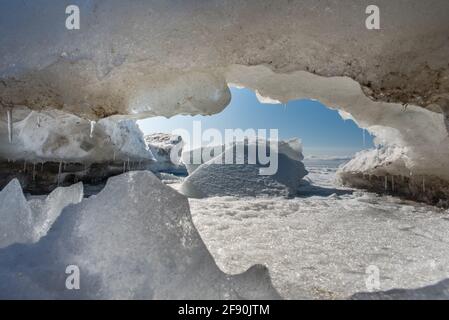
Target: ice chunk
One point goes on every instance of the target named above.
(16, 217)
(46, 211)
(133, 240)
(162, 146)
(215, 178)
(25, 221)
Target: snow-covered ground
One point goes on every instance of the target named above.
(321, 243)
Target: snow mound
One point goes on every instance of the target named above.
(391, 160)
(161, 146)
(133, 240)
(25, 221)
(217, 178)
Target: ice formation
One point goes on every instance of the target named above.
(138, 66)
(25, 221)
(68, 149)
(59, 136)
(399, 171)
(218, 178)
(161, 146)
(133, 240)
(122, 61)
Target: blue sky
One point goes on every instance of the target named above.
(322, 130)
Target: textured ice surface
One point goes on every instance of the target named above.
(320, 245)
(165, 58)
(59, 136)
(133, 240)
(218, 178)
(46, 211)
(16, 217)
(23, 221)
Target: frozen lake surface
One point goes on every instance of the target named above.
(322, 243)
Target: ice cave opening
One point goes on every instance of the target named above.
(323, 135)
(81, 185)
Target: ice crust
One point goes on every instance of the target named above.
(134, 240)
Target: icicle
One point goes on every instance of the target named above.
(392, 183)
(124, 166)
(42, 166)
(113, 157)
(38, 121)
(92, 126)
(59, 172)
(386, 183)
(129, 168)
(25, 166)
(9, 117)
(34, 171)
(423, 184)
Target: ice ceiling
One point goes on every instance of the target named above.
(170, 57)
(147, 58)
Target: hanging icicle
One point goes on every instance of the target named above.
(34, 171)
(92, 127)
(59, 172)
(25, 166)
(113, 156)
(423, 184)
(386, 183)
(392, 183)
(129, 168)
(9, 117)
(124, 166)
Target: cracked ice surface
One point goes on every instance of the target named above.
(319, 245)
